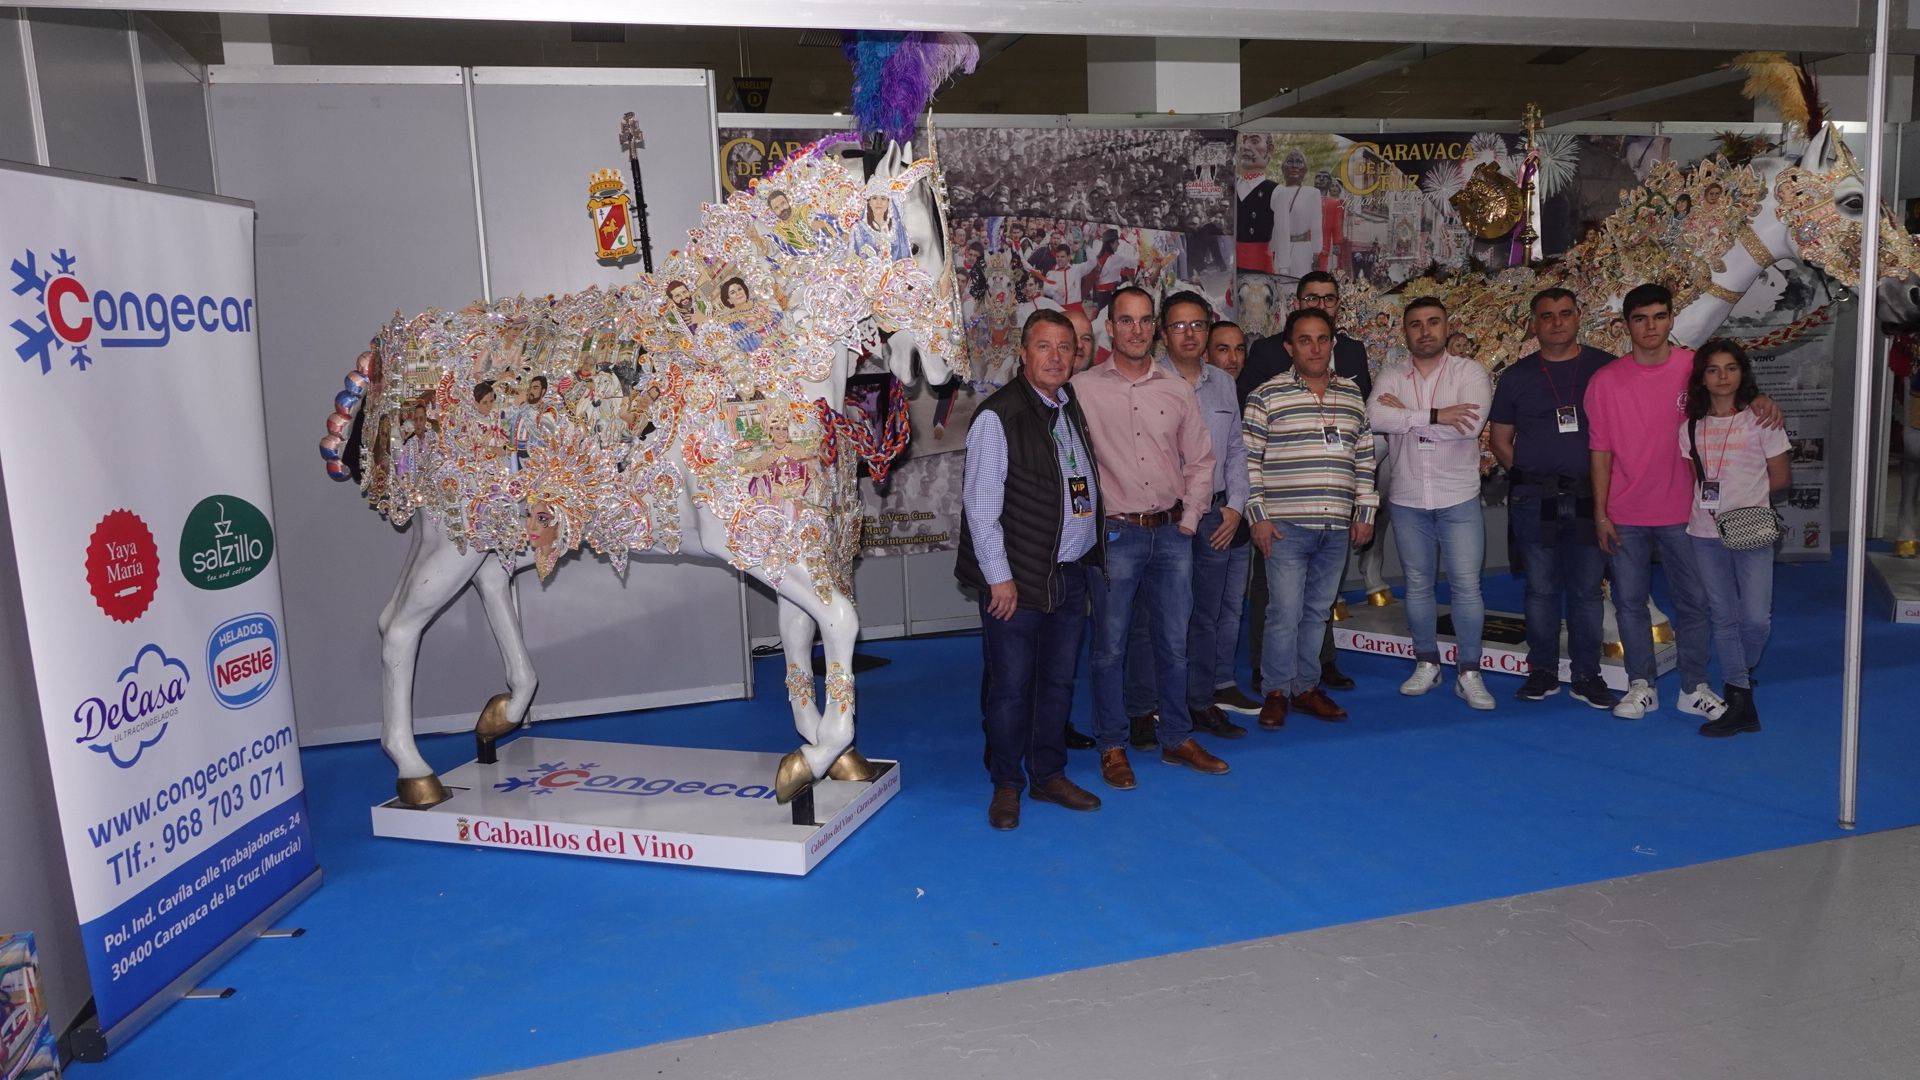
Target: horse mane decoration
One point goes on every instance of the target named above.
(698, 410)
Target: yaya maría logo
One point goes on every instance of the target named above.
(63, 318)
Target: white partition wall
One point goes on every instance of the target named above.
(364, 180)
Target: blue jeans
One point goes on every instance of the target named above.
(1158, 563)
(1303, 576)
(1031, 659)
(1213, 627)
(1219, 598)
(1739, 588)
(1633, 584)
(1458, 533)
(1569, 566)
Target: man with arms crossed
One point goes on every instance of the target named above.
(1156, 480)
(1539, 434)
(1643, 495)
(1029, 543)
(1433, 407)
(1310, 456)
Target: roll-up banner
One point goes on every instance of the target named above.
(134, 455)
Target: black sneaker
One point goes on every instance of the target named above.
(1143, 735)
(1213, 720)
(1594, 690)
(1539, 686)
(1232, 699)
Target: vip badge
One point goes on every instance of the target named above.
(612, 211)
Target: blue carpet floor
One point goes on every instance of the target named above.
(424, 960)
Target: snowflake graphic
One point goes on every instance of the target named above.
(513, 783)
(548, 767)
(37, 339)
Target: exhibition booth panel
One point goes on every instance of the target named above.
(422, 187)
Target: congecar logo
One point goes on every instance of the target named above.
(134, 716)
(64, 316)
(243, 659)
(587, 778)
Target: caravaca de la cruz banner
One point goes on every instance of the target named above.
(1057, 217)
(136, 482)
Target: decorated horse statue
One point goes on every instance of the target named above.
(1742, 220)
(697, 411)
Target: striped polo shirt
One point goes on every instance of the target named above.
(1297, 477)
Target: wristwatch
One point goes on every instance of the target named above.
(1433, 417)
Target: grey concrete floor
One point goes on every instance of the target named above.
(1791, 964)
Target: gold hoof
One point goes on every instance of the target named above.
(852, 765)
(494, 723)
(1906, 549)
(1340, 613)
(1381, 598)
(1663, 634)
(793, 777)
(421, 792)
(1612, 650)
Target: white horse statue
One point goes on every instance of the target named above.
(707, 394)
(1743, 219)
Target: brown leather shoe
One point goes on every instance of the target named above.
(1317, 704)
(1273, 715)
(1064, 792)
(1141, 731)
(1003, 812)
(1115, 770)
(1193, 756)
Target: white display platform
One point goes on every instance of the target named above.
(640, 803)
(1383, 631)
(1897, 584)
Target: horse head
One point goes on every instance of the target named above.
(915, 191)
(1819, 211)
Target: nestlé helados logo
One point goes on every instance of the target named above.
(145, 698)
(243, 659)
(225, 542)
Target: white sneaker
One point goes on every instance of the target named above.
(1702, 701)
(1426, 676)
(1640, 699)
(1470, 689)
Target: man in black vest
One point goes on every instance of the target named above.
(1029, 540)
(1265, 359)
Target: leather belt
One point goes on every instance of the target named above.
(1151, 520)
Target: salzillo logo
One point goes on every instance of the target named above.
(225, 542)
(243, 659)
(69, 314)
(148, 695)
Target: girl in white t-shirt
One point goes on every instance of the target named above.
(1738, 463)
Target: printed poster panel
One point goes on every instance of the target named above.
(135, 465)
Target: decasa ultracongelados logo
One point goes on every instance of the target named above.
(64, 318)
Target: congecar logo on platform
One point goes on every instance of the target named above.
(243, 659)
(146, 695)
(61, 315)
(587, 778)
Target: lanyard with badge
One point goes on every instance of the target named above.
(1710, 485)
(1566, 418)
(1079, 491)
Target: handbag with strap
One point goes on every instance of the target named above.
(1742, 528)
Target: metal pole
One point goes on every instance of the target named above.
(1866, 363)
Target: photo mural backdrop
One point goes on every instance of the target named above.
(1051, 217)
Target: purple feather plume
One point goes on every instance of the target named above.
(896, 74)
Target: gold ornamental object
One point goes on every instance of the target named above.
(1906, 549)
(1340, 612)
(1490, 204)
(1380, 598)
(421, 792)
(1663, 633)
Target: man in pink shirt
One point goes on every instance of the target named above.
(1643, 496)
(1156, 471)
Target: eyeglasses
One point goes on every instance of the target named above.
(1320, 299)
(1129, 322)
(1193, 326)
